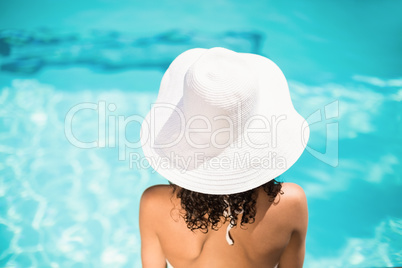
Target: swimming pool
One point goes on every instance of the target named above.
(66, 206)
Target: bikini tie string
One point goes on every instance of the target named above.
(227, 213)
(228, 238)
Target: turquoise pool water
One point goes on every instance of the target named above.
(65, 206)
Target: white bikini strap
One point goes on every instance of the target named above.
(228, 213)
(228, 238)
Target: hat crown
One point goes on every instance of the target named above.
(216, 86)
(220, 79)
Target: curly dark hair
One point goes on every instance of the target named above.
(203, 211)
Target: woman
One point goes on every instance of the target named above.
(222, 129)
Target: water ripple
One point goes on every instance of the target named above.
(29, 51)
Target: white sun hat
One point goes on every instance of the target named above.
(223, 122)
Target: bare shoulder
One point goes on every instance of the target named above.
(156, 194)
(155, 199)
(295, 217)
(293, 192)
(155, 190)
(294, 204)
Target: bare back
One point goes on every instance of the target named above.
(276, 236)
